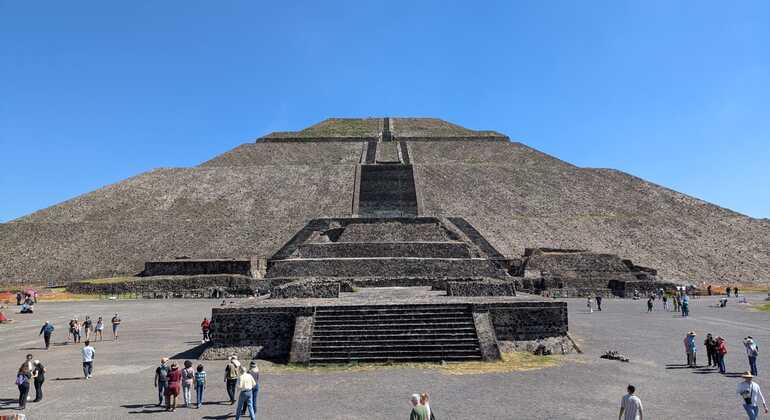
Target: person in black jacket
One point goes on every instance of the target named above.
(38, 373)
(711, 349)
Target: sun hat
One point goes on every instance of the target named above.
(253, 363)
(747, 375)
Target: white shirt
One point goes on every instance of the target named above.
(753, 389)
(88, 354)
(246, 382)
(632, 405)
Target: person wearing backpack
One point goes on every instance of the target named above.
(188, 376)
(232, 372)
(23, 377)
(161, 379)
(752, 351)
(721, 352)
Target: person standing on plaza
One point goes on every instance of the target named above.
(232, 371)
(631, 406)
(419, 412)
(99, 329)
(246, 384)
(649, 304)
(735, 291)
(711, 350)
(88, 327)
(425, 402)
(188, 377)
(685, 305)
(752, 351)
(161, 379)
(751, 394)
(664, 298)
(174, 385)
(588, 305)
(205, 329)
(200, 384)
(728, 291)
(598, 303)
(38, 374)
(75, 330)
(115, 326)
(721, 352)
(46, 330)
(88, 354)
(254, 372)
(708, 289)
(23, 376)
(690, 348)
(675, 302)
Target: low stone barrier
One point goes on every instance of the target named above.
(306, 289)
(215, 286)
(481, 288)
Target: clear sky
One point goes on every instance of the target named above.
(676, 92)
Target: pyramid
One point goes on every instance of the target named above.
(248, 202)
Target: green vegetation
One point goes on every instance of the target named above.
(511, 362)
(762, 308)
(110, 280)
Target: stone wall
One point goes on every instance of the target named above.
(306, 289)
(191, 267)
(528, 320)
(481, 288)
(172, 286)
(270, 330)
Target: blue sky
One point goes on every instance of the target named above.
(676, 92)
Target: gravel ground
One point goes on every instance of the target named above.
(583, 387)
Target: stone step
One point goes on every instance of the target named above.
(402, 359)
(396, 353)
(394, 308)
(395, 332)
(374, 326)
(325, 342)
(383, 249)
(398, 315)
(398, 348)
(382, 267)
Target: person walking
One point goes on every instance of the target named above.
(200, 384)
(721, 352)
(752, 351)
(205, 329)
(690, 348)
(735, 291)
(38, 374)
(188, 377)
(664, 298)
(75, 330)
(23, 376)
(245, 385)
(174, 384)
(88, 354)
(99, 329)
(46, 330)
(115, 326)
(728, 291)
(708, 289)
(711, 350)
(88, 327)
(419, 412)
(232, 371)
(676, 302)
(588, 304)
(631, 406)
(751, 394)
(685, 305)
(254, 372)
(425, 402)
(649, 304)
(598, 303)
(161, 379)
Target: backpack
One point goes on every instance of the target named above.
(163, 374)
(21, 379)
(232, 371)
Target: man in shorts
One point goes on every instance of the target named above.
(115, 325)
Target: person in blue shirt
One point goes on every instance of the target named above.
(690, 348)
(46, 330)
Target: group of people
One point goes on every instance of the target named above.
(170, 381)
(716, 349)
(31, 371)
(244, 383)
(421, 407)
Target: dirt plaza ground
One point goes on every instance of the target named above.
(581, 387)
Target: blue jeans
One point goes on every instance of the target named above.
(161, 390)
(752, 411)
(721, 362)
(753, 365)
(199, 393)
(245, 397)
(186, 394)
(254, 392)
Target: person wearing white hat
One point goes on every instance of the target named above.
(232, 372)
(751, 394)
(752, 351)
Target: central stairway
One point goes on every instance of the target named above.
(403, 333)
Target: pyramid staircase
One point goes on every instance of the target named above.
(402, 333)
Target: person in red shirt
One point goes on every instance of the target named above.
(174, 385)
(206, 327)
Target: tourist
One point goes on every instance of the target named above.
(200, 384)
(99, 329)
(708, 289)
(115, 325)
(232, 371)
(419, 412)
(752, 351)
(161, 379)
(664, 298)
(46, 330)
(88, 327)
(424, 401)
(598, 303)
(649, 304)
(631, 406)
(711, 349)
(728, 291)
(721, 352)
(675, 301)
(690, 348)
(23, 376)
(75, 330)
(174, 384)
(246, 384)
(205, 328)
(685, 305)
(88, 354)
(188, 376)
(27, 308)
(254, 372)
(588, 304)
(751, 394)
(735, 291)
(38, 373)
(18, 299)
